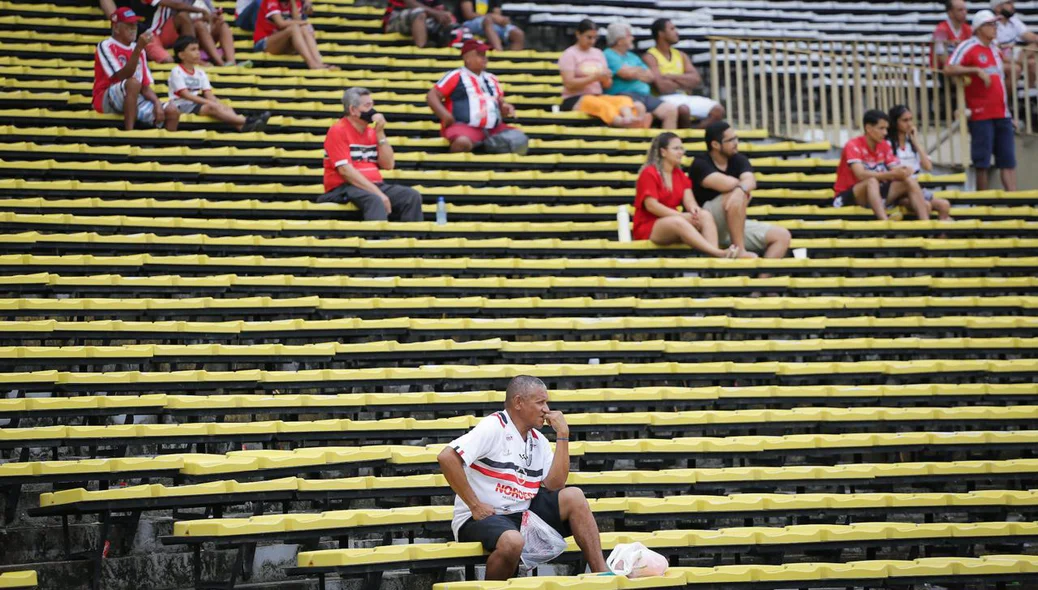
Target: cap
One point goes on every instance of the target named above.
(125, 15)
(473, 45)
(982, 18)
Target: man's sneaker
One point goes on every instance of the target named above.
(256, 122)
(838, 201)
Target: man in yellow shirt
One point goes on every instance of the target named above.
(677, 78)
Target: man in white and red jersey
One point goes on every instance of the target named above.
(991, 124)
(355, 151)
(504, 467)
(122, 80)
(469, 101)
(949, 33)
(870, 175)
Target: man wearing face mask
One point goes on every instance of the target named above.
(1011, 33)
(355, 152)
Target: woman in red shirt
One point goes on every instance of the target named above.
(662, 187)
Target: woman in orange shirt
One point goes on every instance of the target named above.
(663, 187)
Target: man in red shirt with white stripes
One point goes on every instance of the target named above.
(991, 123)
(122, 80)
(469, 101)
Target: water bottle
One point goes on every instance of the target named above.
(441, 211)
(623, 224)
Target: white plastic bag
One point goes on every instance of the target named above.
(541, 543)
(635, 560)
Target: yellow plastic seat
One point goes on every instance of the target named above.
(18, 579)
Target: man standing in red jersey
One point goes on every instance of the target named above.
(991, 124)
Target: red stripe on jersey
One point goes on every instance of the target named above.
(506, 477)
(500, 419)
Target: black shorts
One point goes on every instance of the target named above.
(846, 198)
(487, 531)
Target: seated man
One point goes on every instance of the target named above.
(631, 77)
(675, 78)
(504, 467)
(722, 181)
(870, 175)
(469, 101)
(354, 150)
(421, 19)
(484, 18)
(122, 80)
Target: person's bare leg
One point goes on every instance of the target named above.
(206, 42)
(1008, 176)
(419, 32)
(132, 90)
(777, 240)
(677, 229)
(108, 7)
(981, 175)
(172, 117)
(311, 42)
(183, 23)
(222, 32)
(942, 207)
(461, 144)
(716, 114)
(516, 39)
(223, 113)
(911, 190)
(667, 113)
(684, 117)
(734, 204)
(290, 40)
(490, 33)
(866, 194)
(575, 511)
(503, 561)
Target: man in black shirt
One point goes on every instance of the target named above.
(722, 181)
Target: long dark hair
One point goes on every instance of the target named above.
(893, 135)
(586, 25)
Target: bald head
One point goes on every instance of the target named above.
(522, 387)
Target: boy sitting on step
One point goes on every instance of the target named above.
(191, 92)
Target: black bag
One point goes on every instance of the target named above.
(509, 141)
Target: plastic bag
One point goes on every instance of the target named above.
(635, 560)
(541, 543)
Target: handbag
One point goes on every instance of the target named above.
(509, 141)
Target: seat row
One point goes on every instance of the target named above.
(635, 399)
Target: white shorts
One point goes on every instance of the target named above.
(698, 106)
(115, 99)
(186, 107)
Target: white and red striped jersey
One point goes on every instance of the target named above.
(472, 99)
(984, 102)
(504, 470)
(161, 16)
(110, 57)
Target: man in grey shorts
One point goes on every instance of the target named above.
(122, 80)
(722, 181)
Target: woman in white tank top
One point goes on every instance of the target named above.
(910, 151)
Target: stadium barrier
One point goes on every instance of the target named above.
(820, 90)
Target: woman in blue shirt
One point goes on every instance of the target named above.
(631, 77)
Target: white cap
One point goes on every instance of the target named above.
(982, 18)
